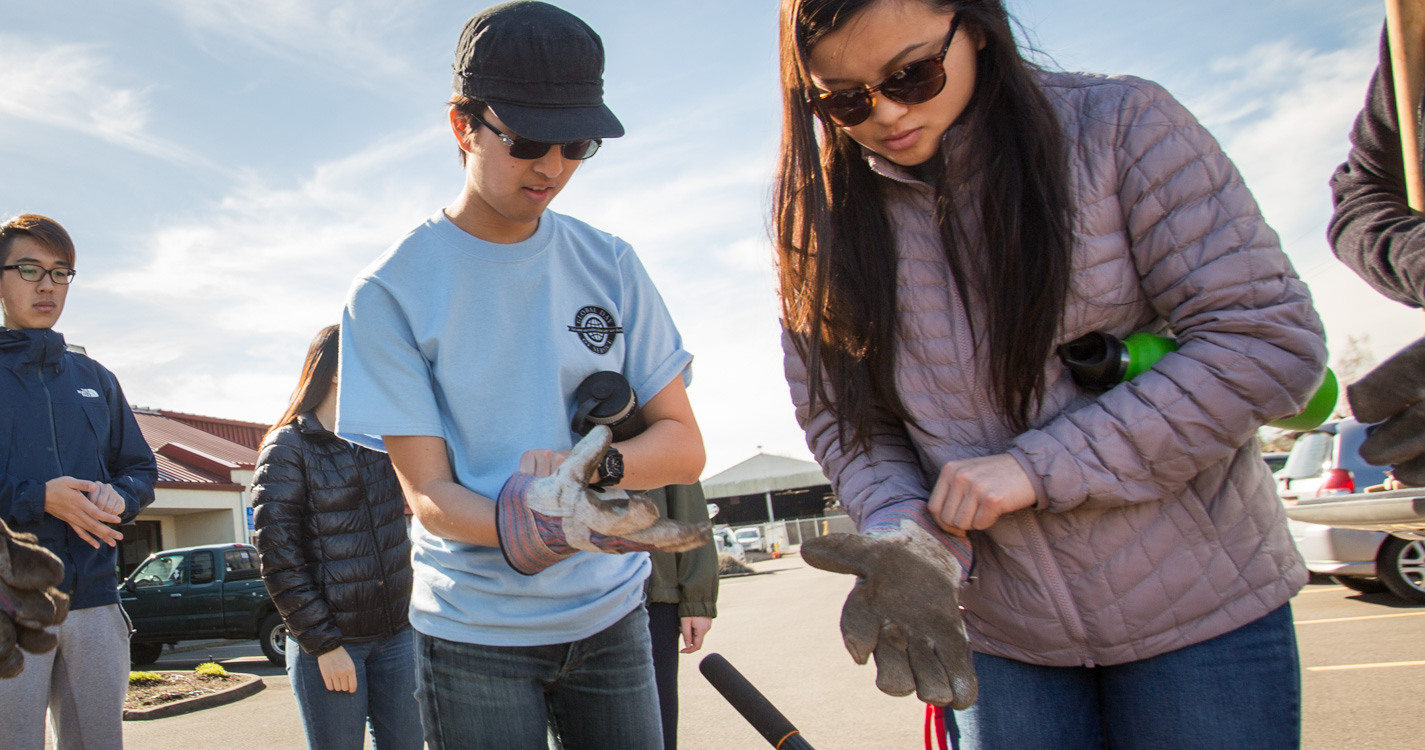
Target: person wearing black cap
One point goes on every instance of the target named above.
(461, 348)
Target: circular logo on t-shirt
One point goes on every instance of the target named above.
(596, 328)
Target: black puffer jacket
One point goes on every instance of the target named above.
(331, 531)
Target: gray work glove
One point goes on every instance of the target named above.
(905, 606)
(29, 601)
(1394, 394)
(541, 521)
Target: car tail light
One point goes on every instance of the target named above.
(1337, 482)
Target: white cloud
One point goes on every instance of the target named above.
(349, 35)
(69, 86)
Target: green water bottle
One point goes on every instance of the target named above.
(1099, 361)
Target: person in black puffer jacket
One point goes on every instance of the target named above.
(336, 558)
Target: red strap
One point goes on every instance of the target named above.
(935, 722)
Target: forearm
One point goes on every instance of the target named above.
(667, 452)
(451, 511)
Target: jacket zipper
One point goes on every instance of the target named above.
(49, 402)
(1034, 533)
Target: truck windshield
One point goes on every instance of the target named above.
(164, 570)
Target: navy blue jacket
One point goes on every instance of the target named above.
(63, 414)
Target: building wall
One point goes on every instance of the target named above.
(190, 517)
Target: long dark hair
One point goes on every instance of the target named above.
(317, 372)
(836, 255)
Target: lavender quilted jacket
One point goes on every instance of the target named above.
(1157, 525)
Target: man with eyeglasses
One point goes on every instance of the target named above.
(73, 465)
(462, 347)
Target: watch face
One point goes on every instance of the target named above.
(612, 468)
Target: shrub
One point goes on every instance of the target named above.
(140, 679)
(211, 669)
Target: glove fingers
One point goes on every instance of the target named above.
(839, 553)
(35, 641)
(673, 536)
(932, 685)
(616, 516)
(12, 662)
(860, 625)
(33, 608)
(1411, 473)
(893, 672)
(1392, 386)
(26, 565)
(579, 466)
(1398, 439)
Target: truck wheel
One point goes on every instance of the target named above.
(273, 638)
(1401, 567)
(144, 654)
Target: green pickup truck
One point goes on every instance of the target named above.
(198, 593)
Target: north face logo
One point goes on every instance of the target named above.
(596, 328)
(88, 393)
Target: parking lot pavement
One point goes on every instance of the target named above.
(1363, 670)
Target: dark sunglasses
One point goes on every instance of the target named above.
(914, 83)
(524, 148)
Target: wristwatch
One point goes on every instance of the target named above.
(610, 470)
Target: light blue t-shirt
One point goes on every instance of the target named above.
(483, 344)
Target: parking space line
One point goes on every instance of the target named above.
(1321, 591)
(1363, 617)
(1378, 665)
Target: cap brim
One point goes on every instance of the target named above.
(558, 124)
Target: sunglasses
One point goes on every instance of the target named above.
(524, 148)
(915, 83)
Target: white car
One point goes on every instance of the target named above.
(727, 544)
(751, 539)
(1326, 462)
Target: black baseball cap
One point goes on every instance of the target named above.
(541, 70)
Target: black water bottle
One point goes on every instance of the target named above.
(606, 398)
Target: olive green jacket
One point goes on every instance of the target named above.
(687, 579)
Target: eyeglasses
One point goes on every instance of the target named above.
(32, 272)
(915, 83)
(524, 148)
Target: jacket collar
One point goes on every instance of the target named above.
(33, 348)
(307, 424)
(955, 142)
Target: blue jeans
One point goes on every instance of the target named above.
(385, 694)
(1239, 690)
(594, 693)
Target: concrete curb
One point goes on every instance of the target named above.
(252, 685)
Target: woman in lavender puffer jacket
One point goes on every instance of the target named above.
(946, 216)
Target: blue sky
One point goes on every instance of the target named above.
(227, 166)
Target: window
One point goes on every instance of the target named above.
(239, 560)
(202, 568)
(164, 570)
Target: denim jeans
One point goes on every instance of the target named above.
(592, 694)
(385, 695)
(1239, 690)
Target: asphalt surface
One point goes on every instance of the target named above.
(1363, 660)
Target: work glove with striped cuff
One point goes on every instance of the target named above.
(905, 606)
(29, 601)
(541, 521)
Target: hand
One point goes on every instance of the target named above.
(1394, 395)
(975, 492)
(107, 499)
(338, 670)
(904, 609)
(694, 628)
(65, 500)
(29, 601)
(541, 462)
(541, 521)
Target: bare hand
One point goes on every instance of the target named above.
(975, 492)
(338, 670)
(65, 500)
(694, 628)
(107, 499)
(542, 462)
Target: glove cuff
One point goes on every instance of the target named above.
(529, 541)
(887, 520)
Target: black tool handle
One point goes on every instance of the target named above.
(754, 707)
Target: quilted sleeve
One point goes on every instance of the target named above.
(280, 499)
(863, 481)
(1251, 349)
